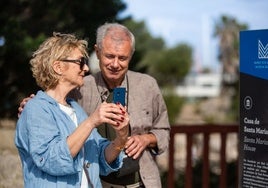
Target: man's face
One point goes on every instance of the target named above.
(114, 58)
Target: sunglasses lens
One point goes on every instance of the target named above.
(84, 62)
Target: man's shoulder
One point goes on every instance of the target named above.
(140, 77)
(135, 75)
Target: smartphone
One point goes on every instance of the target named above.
(119, 95)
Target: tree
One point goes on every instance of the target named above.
(227, 30)
(25, 24)
(145, 43)
(170, 65)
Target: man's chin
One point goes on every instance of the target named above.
(113, 76)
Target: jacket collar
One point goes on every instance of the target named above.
(103, 88)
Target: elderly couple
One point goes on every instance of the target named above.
(100, 143)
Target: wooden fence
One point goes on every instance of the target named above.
(206, 131)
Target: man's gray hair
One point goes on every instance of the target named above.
(106, 28)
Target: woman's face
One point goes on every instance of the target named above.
(75, 66)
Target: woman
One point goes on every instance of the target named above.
(58, 144)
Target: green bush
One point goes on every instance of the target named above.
(174, 104)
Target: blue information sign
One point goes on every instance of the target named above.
(253, 171)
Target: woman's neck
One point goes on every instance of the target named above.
(58, 95)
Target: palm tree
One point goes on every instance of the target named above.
(227, 30)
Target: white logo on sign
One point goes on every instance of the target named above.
(262, 50)
(248, 102)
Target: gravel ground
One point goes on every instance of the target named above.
(10, 165)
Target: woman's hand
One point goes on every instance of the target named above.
(116, 116)
(109, 113)
(112, 114)
(122, 130)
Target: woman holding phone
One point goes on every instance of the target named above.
(58, 144)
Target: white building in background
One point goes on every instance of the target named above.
(203, 85)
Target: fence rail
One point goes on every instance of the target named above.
(206, 130)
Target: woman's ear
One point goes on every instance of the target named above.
(56, 65)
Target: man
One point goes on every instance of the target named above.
(149, 125)
(115, 45)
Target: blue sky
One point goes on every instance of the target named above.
(192, 21)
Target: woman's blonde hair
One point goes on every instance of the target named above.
(57, 47)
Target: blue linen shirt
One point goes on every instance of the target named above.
(40, 137)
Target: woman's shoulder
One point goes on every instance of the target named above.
(39, 105)
(40, 99)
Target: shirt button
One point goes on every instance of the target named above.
(87, 165)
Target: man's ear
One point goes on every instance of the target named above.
(56, 65)
(97, 51)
